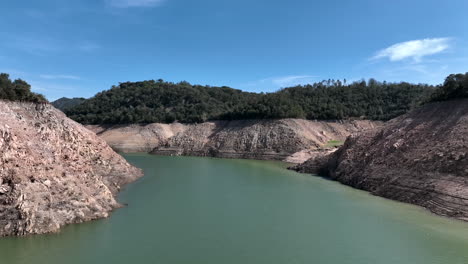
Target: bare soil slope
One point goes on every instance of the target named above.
(419, 158)
(136, 138)
(53, 171)
(255, 139)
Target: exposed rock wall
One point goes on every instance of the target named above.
(419, 158)
(136, 138)
(53, 171)
(255, 139)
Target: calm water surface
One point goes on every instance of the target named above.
(201, 210)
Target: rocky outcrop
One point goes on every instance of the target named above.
(316, 163)
(136, 138)
(419, 158)
(53, 171)
(292, 139)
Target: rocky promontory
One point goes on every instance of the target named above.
(53, 171)
(293, 140)
(419, 158)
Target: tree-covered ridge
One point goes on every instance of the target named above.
(363, 99)
(66, 103)
(454, 87)
(18, 90)
(159, 101)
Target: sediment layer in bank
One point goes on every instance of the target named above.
(419, 158)
(292, 140)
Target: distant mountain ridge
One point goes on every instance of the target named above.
(65, 103)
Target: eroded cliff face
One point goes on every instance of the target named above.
(292, 139)
(419, 158)
(53, 171)
(136, 138)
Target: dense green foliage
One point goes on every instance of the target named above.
(67, 103)
(455, 86)
(365, 100)
(18, 90)
(159, 101)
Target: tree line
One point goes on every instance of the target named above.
(166, 102)
(66, 103)
(454, 87)
(18, 90)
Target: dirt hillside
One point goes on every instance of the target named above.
(419, 158)
(290, 139)
(53, 171)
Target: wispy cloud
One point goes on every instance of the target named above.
(53, 90)
(39, 46)
(415, 49)
(293, 80)
(274, 83)
(59, 76)
(46, 45)
(134, 3)
(412, 61)
(14, 73)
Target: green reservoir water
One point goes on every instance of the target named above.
(215, 211)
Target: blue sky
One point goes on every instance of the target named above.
(78, 48)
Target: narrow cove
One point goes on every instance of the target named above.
(202, 210)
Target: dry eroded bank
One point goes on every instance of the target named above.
(53, 171)
(294, 140)
(419, 158)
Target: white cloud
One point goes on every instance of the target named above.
(59, 76)
(415, 49)
(133, 3)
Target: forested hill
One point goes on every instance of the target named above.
(66, 103)
(159, 101)
(18, 90)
